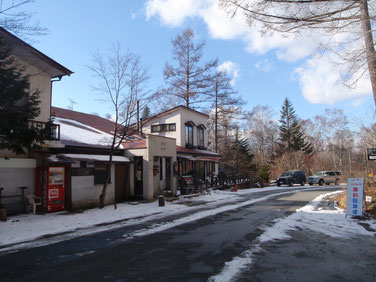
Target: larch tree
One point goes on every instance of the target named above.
(348, 23)
(121, 79)
(291, 135)
(190, 80)
(224, 100)
(146, 113)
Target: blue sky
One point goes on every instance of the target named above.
(266, 69)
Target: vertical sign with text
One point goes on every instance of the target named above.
(354, 196)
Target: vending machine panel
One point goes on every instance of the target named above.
(55, 189)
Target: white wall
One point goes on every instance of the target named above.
(196, 118)
(13, 178)
(41, 81)
(173, 117)
(85, 194)
(180, 117)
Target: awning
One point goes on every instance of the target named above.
(89, 158)
(199, 158)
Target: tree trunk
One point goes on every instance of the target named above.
(102, 197)
(368, 40)
(216, 118)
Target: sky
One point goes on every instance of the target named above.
(265, 69)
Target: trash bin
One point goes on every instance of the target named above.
(161, 201)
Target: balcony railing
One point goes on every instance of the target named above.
(48, 130)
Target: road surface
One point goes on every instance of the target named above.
(193, 251)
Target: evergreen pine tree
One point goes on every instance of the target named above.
(17, 105)
(146, 113)
(291, 135)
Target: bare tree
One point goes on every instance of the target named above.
(224, 101)
(14, 19)
(352, 18)
(190, 80)
(121, 82)
(262, 133)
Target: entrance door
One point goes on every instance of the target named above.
(168, 174)
(138, 176)
(120, 182)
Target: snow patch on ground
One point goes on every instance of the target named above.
(330, 222)
(28, 227)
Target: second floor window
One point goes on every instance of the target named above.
(200, 137)
(163, 127)
(189, 135)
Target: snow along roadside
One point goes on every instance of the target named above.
(330, 222)
(142, 232)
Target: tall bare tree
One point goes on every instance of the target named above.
(190, 80)
(122, 82)
(262, 133)
(224, 100)
(14, 19)
(351, 17)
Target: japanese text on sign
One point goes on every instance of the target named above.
(354, 196)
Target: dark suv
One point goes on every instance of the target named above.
(292, 177)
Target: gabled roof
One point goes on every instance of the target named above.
(171, 111)
(33, 56)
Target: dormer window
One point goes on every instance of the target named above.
(200, 135)
(189, 133)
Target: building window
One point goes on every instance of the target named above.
(186, 167)
(100, 174)
(200, 141)
(210, 167)
(163, 127)
(189, 135)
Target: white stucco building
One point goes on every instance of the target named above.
(175, 145)
(19, 170)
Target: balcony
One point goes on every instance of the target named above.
(48, 130)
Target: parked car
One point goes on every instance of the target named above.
(292, 177)
(325, 177)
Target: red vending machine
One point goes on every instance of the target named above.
(55, 196)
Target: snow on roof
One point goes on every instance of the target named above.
(74, 132)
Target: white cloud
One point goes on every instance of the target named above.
(264, 65)
(319, 79)
(172, 12)
(232, 69)
(320, 82)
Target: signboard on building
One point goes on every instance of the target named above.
(371, 154)
(354, 196)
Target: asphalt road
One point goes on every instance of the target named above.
(191, 252)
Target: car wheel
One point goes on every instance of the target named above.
(302, 183)
(310, 184)
(321, 182)
(278, 184)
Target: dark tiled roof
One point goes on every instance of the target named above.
(94, 121)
